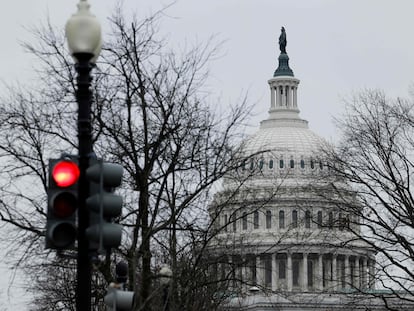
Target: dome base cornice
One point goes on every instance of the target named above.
(281, 121)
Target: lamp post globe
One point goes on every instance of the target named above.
(83, 33)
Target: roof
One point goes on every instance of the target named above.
(289, 141)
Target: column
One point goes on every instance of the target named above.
(282, 95)
(288, 96)
(364, 273)
(274, 272)
(356, 273)
(272, 96)
(347, 272)
(231, 273)
(371, 266)
(259, 272)
(334, 273)
(289, 279)
(320, 272)
(305, 272)
(295, 98)
(219, 271)
(245, 275)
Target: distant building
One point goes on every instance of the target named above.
(283, 240)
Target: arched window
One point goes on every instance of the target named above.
(256, 220)
(321, 165)
(271, 164)
(294, 219)
(281, 164)
(302, 164)
(308, 217)
(252, 164)
(243, 166)
(319, 219)
(281, 219)
(312, 164)
(268, 219)
(244, 221)
(261, 163)
(292, 163)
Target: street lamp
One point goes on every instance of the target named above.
(165, 280)
(83, 33)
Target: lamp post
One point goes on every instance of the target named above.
(83, 33)
(165, 280)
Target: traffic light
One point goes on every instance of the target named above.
(103, 204)
(117, 298)
(62, 203)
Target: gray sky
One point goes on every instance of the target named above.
(335, 47)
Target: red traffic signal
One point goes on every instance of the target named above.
(65, 173)
(62, 193)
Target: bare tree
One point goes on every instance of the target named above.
(374, 158)
(151, 113)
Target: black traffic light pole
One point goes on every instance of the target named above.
(84, 100)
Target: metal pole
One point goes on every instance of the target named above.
(166, 298)
(84, 99)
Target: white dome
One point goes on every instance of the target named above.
(289, 141)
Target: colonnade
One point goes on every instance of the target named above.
(303, 271)
(283, 95)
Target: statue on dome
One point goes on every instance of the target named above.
(282, 41)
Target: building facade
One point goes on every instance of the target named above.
(284, 241)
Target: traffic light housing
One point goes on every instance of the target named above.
(62, 202)
(117, 298)
(103, 205)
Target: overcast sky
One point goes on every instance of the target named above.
(335, 47)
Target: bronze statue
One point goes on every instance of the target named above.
(282, 41)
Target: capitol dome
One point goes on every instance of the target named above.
(276, 231)
(284, 145)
